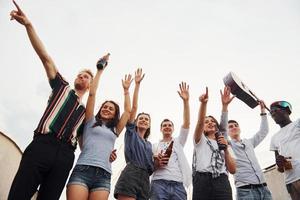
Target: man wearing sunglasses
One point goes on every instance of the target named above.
(286, 145)
(249, 180)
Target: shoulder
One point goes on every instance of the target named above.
(184, 130)
(58, 80)
(130, 126)
(202, 141)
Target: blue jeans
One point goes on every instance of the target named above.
(93, 178)
(167, 190)
(258, 193)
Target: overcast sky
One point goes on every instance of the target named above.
(197, 41)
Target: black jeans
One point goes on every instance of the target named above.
(46, 162)
(207, 188)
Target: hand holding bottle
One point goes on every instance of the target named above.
(102, 62)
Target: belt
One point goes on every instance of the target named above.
(251, 186)
(52, 137)
(208, 174)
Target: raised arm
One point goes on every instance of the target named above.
(137, 79)
(126, 114)
(201, 116)
(226, 99)
(185, 95)
(36, 43)
(90, 105)
(264, 126)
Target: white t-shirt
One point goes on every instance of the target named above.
(172, 171)
(204, 154)
(287, 142)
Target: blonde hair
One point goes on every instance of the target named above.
(88, 71)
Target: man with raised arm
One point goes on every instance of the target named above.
(249, 179)
(172, 172)
(47, 160)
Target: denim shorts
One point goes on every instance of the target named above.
(93, 178)
(165, 189)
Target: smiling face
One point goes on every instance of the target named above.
(143, 121)
(107, 111)
(234, 129)
(167, 127)
(83, 81)
(210, 125)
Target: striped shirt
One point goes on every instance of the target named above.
(64, 112)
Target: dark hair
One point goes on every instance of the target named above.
(148, 130)
(232, 121)
(165, 120)
(111, 124)
(216, 121)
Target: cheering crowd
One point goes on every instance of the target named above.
(157, 171)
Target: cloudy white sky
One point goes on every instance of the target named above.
(197, 41)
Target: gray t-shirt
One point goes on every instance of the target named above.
(138, 151)
(97, 145)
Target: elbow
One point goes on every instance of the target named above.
(134, 107)
(46, 60)
(232, 168)
(186, 125)
(232, 171)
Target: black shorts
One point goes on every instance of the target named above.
(133, 182)
(206, 188)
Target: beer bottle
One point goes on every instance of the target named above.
(169, 150)
(103, 62)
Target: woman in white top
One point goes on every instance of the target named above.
(212, 158)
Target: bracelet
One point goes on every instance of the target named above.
(125, 93)
(262, 114)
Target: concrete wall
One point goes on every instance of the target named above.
(276, 184)
(10, 156)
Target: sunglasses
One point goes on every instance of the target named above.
(279, 105)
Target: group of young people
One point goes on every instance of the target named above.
(66, 122)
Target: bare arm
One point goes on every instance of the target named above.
(127, 107)
(90, 105)
(36, 43)
(184, 94)
(229, 162)
(138, 78)
(201, 117)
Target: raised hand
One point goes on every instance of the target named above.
(184, 91)
(138, 76)
(19, 15)
(225, 96)
(102, 62)
(204, 97)
(262, 106)
(127, 81)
